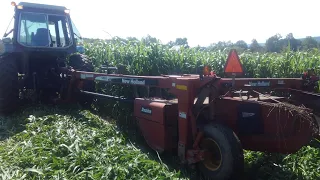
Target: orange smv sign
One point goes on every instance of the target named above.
(233, 65)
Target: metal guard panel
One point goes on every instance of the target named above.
(249, 120)
(150, 110)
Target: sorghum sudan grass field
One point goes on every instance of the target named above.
(73, 143)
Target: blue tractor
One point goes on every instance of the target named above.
(40, 41)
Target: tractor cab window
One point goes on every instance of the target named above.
(41, 30)
(33, 30)
(77, 35)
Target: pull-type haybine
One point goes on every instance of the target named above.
(211, 120)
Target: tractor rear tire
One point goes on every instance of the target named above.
(81, 62)
(229, 160)
(9, 85)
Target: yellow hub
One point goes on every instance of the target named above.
(212, 157)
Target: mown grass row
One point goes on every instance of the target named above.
(72, 144)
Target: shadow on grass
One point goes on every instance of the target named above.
(16, 122)
(267, 167)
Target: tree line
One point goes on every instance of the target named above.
(275, 43)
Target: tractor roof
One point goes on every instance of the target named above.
(42, 6)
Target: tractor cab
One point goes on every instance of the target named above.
(38, 27)
(40, 42)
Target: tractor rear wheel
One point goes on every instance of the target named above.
(224, 157)
(9, 85)
(82, 62)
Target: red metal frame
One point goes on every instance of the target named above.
(186, 89)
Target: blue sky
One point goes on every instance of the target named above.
(201, 21)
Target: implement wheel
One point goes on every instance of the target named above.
(224, 154)
(82, 62)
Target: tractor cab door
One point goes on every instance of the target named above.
(58, 31)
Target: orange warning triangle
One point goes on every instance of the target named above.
(233, 65)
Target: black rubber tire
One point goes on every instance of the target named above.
(9, 85)
(81, 62)
(232, 163)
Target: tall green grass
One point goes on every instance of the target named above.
(140, 58)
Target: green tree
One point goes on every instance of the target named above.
(221, 45)
(309, 43)
(133, 40)
(295, 44)
(149, 40)
(170, 44)
(273, 44)
(178, 42)
(241, 44)
(255, 46)
(182, 42)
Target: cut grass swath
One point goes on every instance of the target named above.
(75, 146)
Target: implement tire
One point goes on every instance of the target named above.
(225, 160)
(81, 62)
(9, 85)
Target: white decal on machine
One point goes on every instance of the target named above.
(134, 81)
(259, 83)
(247, 114)
(146, 110)
(106, 78)
(84, 76)
(183, 115)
